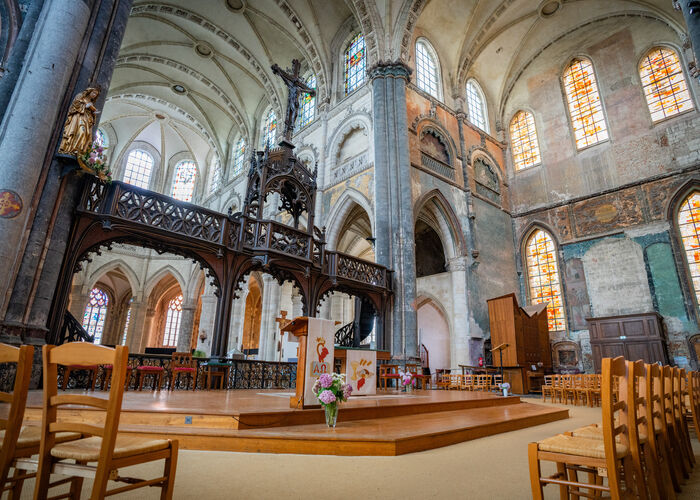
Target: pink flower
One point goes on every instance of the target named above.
(347, 391)
(316, 387)
(326, 380)
(326, 397)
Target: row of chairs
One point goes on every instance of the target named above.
(642, 445)
(468, 382)
(581, 389)
(70, 447)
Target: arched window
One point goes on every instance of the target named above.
(664, 84)
(307, 113)
(427, 69)
(523, 141)
(585, 106)
(126, 323)
(172, 322)
(95, 314)
(476, 106)
(269, 129)
(139, 166)
(183, 184)
(689, 227)
(215, 180)
(239, 157)
(543, 277)
(355, 63)
(101, 138)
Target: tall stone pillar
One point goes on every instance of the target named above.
(691, 13)
(147, 328)
(459, 340)
(238, 321)
(207, 319)
(395, 245)
(184, 338)
(137, 325)
(297, 305)
(270, 311)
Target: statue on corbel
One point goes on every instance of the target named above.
(77, 140)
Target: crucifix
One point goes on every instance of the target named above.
(295, 86)
(282, 321)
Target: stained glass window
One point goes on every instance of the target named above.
(523, 141)
(427, 74)
(585, 106)
(101, 138)
(172, 322)
(215, 182)
(543, 278)
(307, 113)
(185, 176)
(355, 64)
(689, 226)
(476, 105)
(95, 314)
(239, 157)
(139, 166)
(269, 129)
(664, 84)
(126, 323)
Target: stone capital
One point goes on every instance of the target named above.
(390, 69)
(457, 264)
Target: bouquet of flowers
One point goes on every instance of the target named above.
(331, 389)
(94, 162)
(407, 379)
(504, 386)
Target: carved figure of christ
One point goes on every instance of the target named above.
(295, 86)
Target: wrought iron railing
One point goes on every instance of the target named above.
(345, 336)
(73, 330)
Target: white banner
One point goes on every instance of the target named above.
(361, 371)
(320, 350)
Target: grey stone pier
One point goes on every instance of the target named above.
(691, 14)
(394, 223)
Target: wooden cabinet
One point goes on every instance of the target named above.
(634, 336)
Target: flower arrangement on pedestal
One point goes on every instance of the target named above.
(331, 390)
(505, 386)
(407, 380)
(94, 162)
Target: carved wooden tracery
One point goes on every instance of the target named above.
(229, 246)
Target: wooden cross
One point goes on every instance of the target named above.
(282, 320)
(295, 86)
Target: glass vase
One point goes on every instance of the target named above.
(331, 411)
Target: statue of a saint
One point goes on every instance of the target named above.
(295, 87)
(77, 132)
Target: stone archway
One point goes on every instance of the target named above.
(434, 333)
(250, 340)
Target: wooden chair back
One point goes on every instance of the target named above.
(17, 399)
(616, 414)
(182, 360)
(679, 393)
(75, 353)
(466, 382)
(639, 423)
(694, 395)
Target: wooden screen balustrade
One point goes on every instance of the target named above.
(227, 247)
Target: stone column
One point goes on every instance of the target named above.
(78, 304)
(395, 245)
(297, 305)
(270, 311)
(147, 327)
(184, 338)
(137, 325)
(207, 319)
(459, 340)
(691, 14)
(238, 321)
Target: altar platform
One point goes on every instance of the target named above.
(390, 423)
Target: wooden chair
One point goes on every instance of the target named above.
(679, 415)
(658, 439)
(676, 461)
(576, 454)
(581, 389)
(694, 396)
(466, 382)
(547, 388)
(593, 390)
(557, 388)
(442, 379)
(566, 389)
(182, 364)
(107, 377)
(496, 382)
(483, 383)
(388, 372)
(144, 371)
(104, 445)
(91, 369)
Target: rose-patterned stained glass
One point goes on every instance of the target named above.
(523, 141)
(269, 129)
(664, 84)
(426, 70)
(355, 64)
(476, 105)
(95, 314)
(126, 323)
(239, 157)
(689, 226)
(585, 107)
(185, 177)
(172, 322)
(307, 113)
(543, 278)
(139, 166)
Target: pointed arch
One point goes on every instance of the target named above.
(164, 271)
(339, 212)
(113, 265)
(684, 214)
(448, 226)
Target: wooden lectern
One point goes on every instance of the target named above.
(316, 356)
(521, 335)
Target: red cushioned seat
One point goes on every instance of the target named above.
(183, 369)
(151, 368)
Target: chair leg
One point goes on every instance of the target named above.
(66, 376)
(16, 491)
(166, 491)
(535, 472)
(563, 488)
(573, 477)
(76, 486)
(43, 477)
(651, 463)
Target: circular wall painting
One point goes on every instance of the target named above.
(10, 204)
